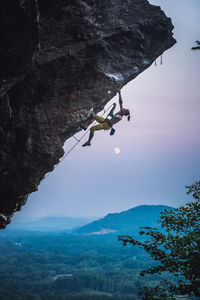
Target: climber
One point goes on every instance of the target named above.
(106, 124)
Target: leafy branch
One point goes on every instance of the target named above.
(176, 250)
(197, 47)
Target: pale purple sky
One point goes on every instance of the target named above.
(159, 148)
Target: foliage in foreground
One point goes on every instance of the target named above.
(197, 46)
(176, 250)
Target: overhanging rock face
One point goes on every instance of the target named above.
(59, 58)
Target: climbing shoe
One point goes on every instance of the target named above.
(83, 127)
(112, 131)
(86, 144)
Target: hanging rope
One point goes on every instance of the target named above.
(72, 148)
(161, 59)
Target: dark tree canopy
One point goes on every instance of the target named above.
(176, 249)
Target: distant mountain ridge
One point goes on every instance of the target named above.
(126, 222)
(51, 223)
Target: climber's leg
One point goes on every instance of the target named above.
(99, 119)
(92, 130)
(91, 119)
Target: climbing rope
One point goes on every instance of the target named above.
(161, 60)
(72, 148)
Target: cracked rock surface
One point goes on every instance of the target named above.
(59, 58)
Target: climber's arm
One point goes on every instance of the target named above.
(112, 110)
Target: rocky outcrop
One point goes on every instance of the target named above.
(58, 59)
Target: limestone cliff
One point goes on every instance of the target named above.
(59, 58)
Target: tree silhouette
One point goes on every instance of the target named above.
(176, 249)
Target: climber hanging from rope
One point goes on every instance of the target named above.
(106, 124)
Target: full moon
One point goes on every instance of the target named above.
(117, 150)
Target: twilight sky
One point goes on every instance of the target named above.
(159, 147)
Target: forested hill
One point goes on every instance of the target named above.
(127, 221)
(124, 222)
(50, 223)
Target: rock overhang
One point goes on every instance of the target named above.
(59, 59)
